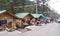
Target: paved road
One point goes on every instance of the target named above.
(51, 29)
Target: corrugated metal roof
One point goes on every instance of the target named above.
(21, 15)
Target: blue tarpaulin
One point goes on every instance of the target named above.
(3, 21)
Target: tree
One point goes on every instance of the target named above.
(10, 4)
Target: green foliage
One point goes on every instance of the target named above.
(8, 4)
(17, 10)
(29, 9)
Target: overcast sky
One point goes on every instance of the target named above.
(55, 4)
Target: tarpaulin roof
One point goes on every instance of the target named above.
(37, 15)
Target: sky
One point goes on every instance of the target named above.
(31, 0)
(54, 4)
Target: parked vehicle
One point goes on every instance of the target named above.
(58, 20)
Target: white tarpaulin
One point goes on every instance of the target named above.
(9, 20)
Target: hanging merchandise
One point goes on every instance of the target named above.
(9, 20)
(0, 22)
(14, 25)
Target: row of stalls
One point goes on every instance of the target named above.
(9, 20)
(32, 17)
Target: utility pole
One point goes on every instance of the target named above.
(36, 7)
